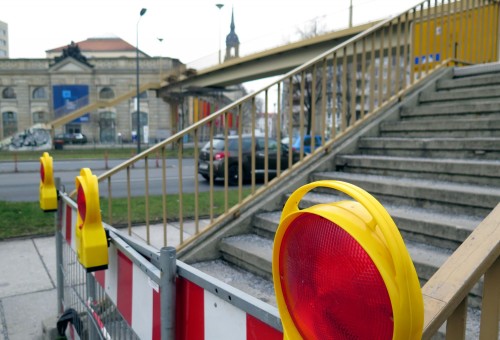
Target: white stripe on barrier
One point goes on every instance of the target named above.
(223, 320)
(111, 275)
(142, 304)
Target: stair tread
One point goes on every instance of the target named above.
(250, 283)
(253, 244)
(477, 162)
(452, 220)
(459, 188)
(421, 253)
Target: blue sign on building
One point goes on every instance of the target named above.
(68, 98)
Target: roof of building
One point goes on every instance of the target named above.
(106, 44)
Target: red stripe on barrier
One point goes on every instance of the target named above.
(124, 291)
(156, 315)
(100, 277)
(257, 330)
(189, 320)
(68, 225)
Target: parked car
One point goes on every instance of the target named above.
(219, 156)
(307, 142)
(68, 138)
(79, 138)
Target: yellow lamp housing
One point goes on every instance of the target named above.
(48, 192)
(91, 240)
(341, 270)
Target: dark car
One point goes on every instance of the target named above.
(232, 156)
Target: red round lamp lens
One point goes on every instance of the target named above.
(82, 205)
(42, 172)
(331, 286)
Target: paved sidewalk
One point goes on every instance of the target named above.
(27, 287)
(28, 293)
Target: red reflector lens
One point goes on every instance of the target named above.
(82, 205)
(331, 286)
(42, 172)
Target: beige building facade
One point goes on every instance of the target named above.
(4, 40)
(36, 91)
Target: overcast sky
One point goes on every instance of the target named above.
(189, 28)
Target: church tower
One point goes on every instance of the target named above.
(232, 42)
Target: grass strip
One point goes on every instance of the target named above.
(25, 219)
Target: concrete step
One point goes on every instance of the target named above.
(463, 109)
(491, 79)
(448, 197)
(245, 281)
(250, 251)
(483, 148)
(415, 224)
(467, 128)
(480, 92)
(483, 172)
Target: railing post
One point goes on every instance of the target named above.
(59, 256)
(490, 311)
(167, 292)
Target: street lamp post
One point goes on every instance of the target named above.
(350, 14)
(138, 101)
(219, 6)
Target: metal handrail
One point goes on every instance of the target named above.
(378, 97)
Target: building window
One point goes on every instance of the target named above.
(143, 122)
(39, 117)
(106, 93)
(107, 125)
(3, 42)
(3, 53)
(39, 93)
(9, 119)
(8, 93)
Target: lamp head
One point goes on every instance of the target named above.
(143, 11)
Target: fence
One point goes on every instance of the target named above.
(147, 294)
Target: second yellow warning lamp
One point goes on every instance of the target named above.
(91, 239)
(47, 190)
(341, 270)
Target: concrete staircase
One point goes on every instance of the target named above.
(434, 163)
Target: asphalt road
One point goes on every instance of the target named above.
(24, 184)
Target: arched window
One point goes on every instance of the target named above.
(9, 120)
(39, 93)
(39, 117)
(107, 125)
(8, 93)
(106, 93)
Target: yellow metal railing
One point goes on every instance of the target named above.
(326, 97)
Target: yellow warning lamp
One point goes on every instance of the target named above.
(48, 192)
(91, 240)
(341, 270)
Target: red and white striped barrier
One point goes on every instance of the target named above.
(199, 313)
(135, 295)
(203, 315)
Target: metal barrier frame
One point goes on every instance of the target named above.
(101, 318)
